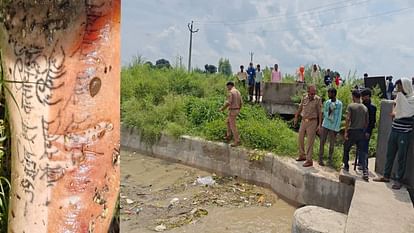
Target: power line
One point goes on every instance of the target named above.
(393, 12)
(319, 9)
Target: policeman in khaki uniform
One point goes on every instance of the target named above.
(234, 103)
(310, 109)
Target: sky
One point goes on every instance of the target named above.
(362, 36)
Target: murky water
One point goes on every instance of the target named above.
(156, 194)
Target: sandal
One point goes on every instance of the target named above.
(397, 185)
(382, 179)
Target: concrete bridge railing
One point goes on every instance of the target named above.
(277, 97)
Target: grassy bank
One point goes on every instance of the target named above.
(175, 102)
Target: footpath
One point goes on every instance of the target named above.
(377, 208)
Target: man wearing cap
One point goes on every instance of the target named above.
(310, 110)
(234, 103)
(372, 114)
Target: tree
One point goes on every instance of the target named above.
(162, 63)
(210, 69)
(61, 63)
(225, 67)
(149, 64)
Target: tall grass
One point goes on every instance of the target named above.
(175, 102)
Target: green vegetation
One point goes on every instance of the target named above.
(174, 102)
(4, 158)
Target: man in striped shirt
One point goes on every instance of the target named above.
(402, 125)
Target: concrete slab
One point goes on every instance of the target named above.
(377, 208)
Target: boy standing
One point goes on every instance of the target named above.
(332, 114)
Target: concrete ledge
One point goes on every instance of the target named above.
(285, 176)
(313, 219)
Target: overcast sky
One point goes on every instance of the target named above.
(373, 36)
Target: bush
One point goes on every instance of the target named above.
(200, 111)
(214, 130)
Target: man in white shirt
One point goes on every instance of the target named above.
(258, 80)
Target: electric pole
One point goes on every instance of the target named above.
(251, 57)
(190, 28)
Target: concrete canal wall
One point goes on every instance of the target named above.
(286, 177)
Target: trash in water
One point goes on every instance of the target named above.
(160, 228)
(207, 180)
(174, 201)
(261, 199)
(138, 210)
(129, 201)
(198, 213)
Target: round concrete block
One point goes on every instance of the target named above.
(313, 219)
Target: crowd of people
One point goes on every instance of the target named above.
(324, 119)
(254, 78)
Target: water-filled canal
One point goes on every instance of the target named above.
(158, 195)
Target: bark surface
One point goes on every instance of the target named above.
(62, 64)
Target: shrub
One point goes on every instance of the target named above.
(214, 130)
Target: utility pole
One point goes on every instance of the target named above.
(251, 57)
(190, 28)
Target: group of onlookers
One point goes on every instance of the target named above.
(254, 77)
(325, 119)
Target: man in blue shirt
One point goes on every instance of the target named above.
(332, 114)
(251, 72)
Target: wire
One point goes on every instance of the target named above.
(319, 9)
(392, 12)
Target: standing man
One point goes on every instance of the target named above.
(310, 110)
(355, 126)
(372, 115)
(276, 74)
(402, 125)
(315, 74)
(389, 87)
(251, 72)
(258, 82)
(234, 103)
(327, 78)
(242, 76)
(332, 114)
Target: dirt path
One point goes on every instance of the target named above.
(166, 196)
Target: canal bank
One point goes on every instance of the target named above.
(306, 186)
(319, 188)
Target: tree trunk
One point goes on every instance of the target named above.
(62, 65)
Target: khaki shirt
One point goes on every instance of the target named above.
(242, 75)
(234, 99)
(310, 108)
